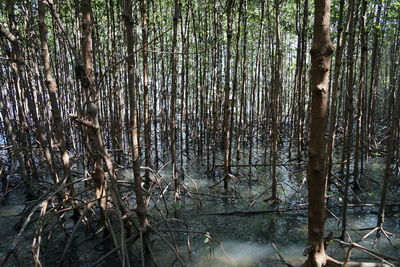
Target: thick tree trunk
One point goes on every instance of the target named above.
(86, 75)
(55, 107)
(321, 52)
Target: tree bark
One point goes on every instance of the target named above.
(173, 99)
(141, 208)
(391, 145)
(358, 153)
(321, 52)
(336, 84)
(146, 112)
(55, 107)
(349, 110)
(226, 124)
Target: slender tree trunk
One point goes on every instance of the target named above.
(342, 33)
(302, 83)
(349, 110)
(213, 113)
(374, 79)
(275, 101)
(155, 115)
(8, 130)
(391, 145)
(28, 166)
(140, 200)
(173, 99)
(361, 96)
(242, 104)
(226, 125)
(146, 111)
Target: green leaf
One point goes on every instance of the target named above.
(208, 238)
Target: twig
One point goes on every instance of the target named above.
(110, 68)
(280, 256)
(130, 240)
(372, 253)
(175, 53)
(169, 245)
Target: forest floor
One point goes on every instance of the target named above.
(215, 228)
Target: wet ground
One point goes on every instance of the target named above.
(221, 231)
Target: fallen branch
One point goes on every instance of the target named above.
(255, 212)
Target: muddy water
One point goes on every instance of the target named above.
(246, 240)
(240, 239)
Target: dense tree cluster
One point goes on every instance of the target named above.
(89, 87)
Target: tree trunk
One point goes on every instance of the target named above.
(146, 112)
(348, 110)
(86, 75)
(391, 144)
(336, 84)
(54, 101)
(321, 52)
(275, 101)
(227, 90)
(361, 96)
(173, 99)
(140, 201)
(373, 79)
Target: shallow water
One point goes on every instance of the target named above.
(247, 239)
(236, 240)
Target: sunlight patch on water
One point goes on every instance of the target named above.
(15, 210)
(236, 254)
(363, 221)
(294, 254)
(193, 184)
